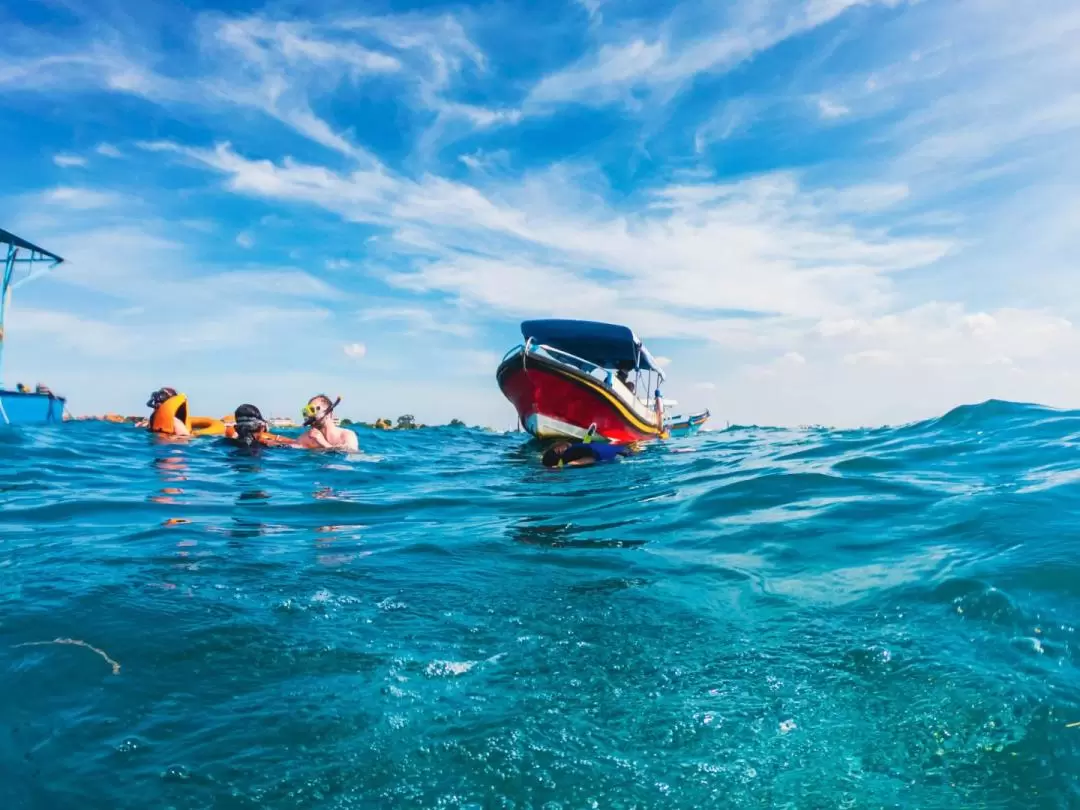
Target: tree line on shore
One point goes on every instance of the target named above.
(404, 422)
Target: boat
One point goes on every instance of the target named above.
(679, 426)
(571, 375)
(23, 262)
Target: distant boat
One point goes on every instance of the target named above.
(569, 375)
(23, 262)
(679, 425)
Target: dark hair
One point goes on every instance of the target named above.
(551, 457)
(249, 423)
(159, 397)
(247, 412)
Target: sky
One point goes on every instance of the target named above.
(842, 212)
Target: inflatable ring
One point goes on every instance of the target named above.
(176, 407)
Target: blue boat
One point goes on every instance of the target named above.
(679, 426)
(23, 262)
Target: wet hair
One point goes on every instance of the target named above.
(550, 458)
(159, 397)
(249, 424)
(575, 452)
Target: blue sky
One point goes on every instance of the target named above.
(837, 211)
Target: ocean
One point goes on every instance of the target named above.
(753, 617)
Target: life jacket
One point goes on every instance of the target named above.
(176, 407)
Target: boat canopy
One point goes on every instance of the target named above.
(8, 238)
(605, 344)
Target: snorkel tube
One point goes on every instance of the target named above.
(310, 417)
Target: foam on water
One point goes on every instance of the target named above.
(750, 618)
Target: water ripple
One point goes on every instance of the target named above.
(751, 618)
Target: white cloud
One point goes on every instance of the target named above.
(415, 321)
(108, 150)
(355, 350)
(592, 8)
(245, 240)
(705, 386)
(482, 161)
(68, 161)
(762, 245)
(873, 356)
(710, 43)
(828, 108)
(280, 67)
(80, 198)
(86, 337)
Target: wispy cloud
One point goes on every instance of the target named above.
(695, 41)
(765, 246)
(80, 198)
(416, 320)
(281, 67)
(355, 350)
(245, 240)
(108, 150)
(68, 161)
(831, 109)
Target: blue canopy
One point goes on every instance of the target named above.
(8, 238)
(607, 345)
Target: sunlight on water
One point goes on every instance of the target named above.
(749, 618)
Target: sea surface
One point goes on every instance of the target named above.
(752, 617)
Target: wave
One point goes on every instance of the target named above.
(793, 617)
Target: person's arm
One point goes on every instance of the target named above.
(315, 439)
(179, 428)
(351, 442)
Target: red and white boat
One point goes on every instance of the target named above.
(569, 375)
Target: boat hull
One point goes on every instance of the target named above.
(680, 426)
(554, 402)
(18, 408)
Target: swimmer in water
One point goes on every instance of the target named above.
(159, 398)
(582, 454)
(322, 433)
(250, 430)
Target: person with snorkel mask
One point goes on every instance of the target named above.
(175, 425)
(322, 433)
(249, 430)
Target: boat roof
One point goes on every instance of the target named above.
(8, 238)
(605, 344)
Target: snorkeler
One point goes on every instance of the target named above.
(250, 430)
(168, 420)
(322, 433)
(580, 454)
(590, 450)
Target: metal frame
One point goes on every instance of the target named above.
(31, 254)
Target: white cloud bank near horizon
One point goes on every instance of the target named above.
(922, 263)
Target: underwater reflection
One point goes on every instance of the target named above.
(171, 468)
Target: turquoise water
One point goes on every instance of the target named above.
(749, 618)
